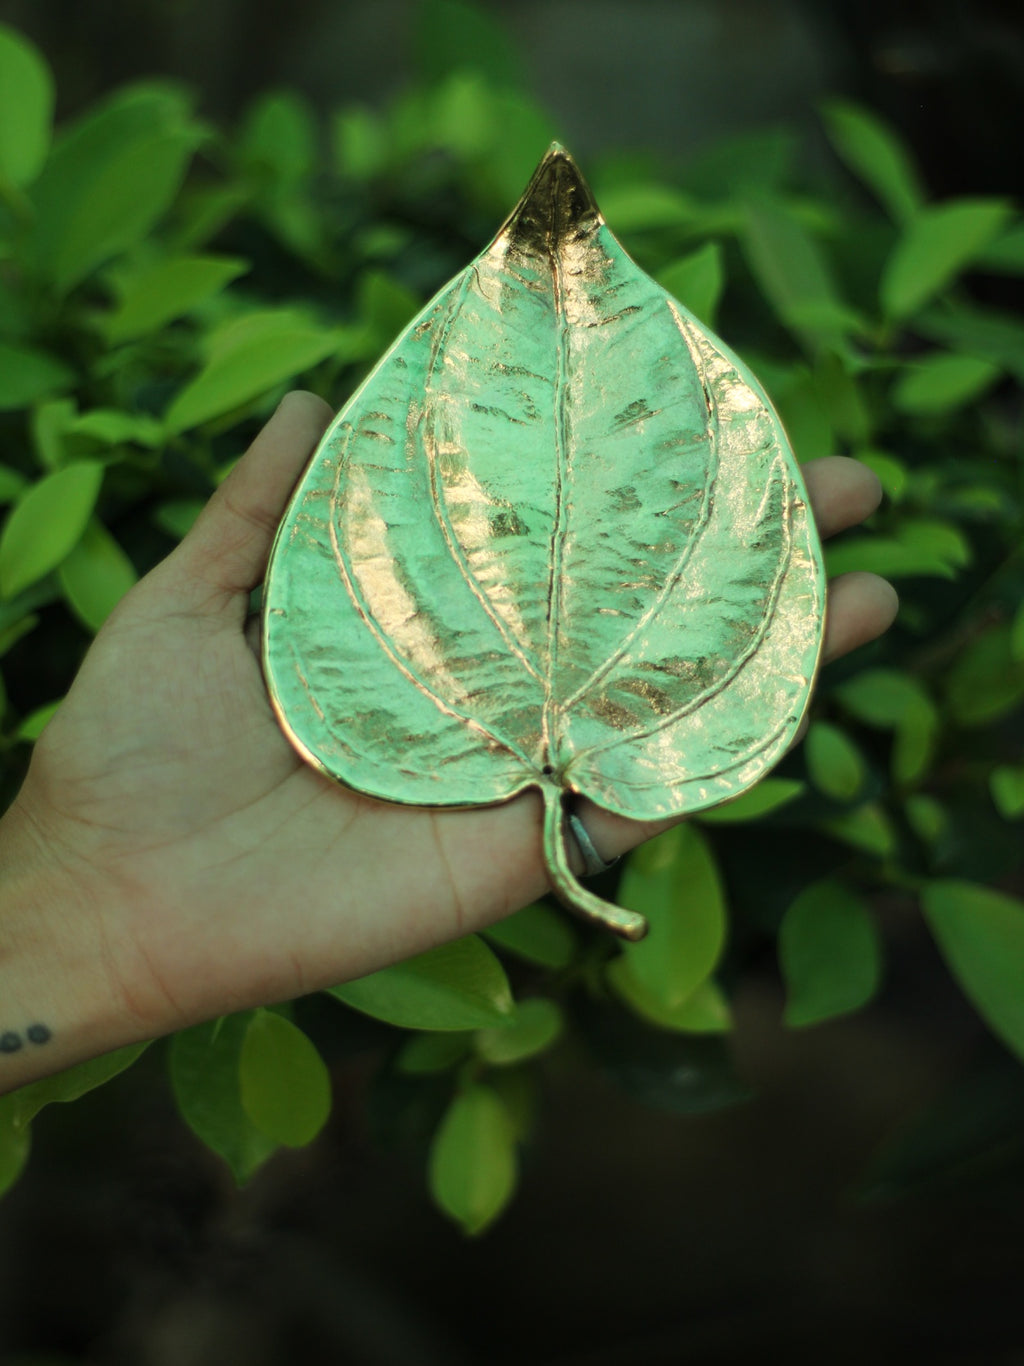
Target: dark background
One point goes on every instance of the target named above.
(637, 1237)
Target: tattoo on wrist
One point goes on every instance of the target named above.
(11, 1041)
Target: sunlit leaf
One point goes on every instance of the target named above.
(936, 245)
(246, 358)
(473, 1159)
(46, 524)
(874, 154)
(285, 1088)
(537, 1025)
(205, 1074)
(95, 576)
(26, 108)
(112, 427)
(981, 935)
(830, 954)
(505, 526)
(12, 484)
(674, 883)
(460, 986)
(279, 136)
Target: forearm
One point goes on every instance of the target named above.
(57, 1005)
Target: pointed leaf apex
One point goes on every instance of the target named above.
(557, 205)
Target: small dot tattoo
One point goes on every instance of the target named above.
(39, 1033)
(10, 1042)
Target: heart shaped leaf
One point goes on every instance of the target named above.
(556, 539)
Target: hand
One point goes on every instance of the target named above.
(170, 858)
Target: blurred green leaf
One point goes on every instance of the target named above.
(95, 576)
(935, 246)
(941, 383)
(28, 375)
(704, 1011)
(1006, 783)
(461, 985)
(26, 109)
(358, 142)
(453, 36)
(204, 1064)
(794, 275)
(697, 281)
(921, 547)
(538, 934)
(112, 427)
(516, 1088)
(167, 290)
(829, 952)
(46, 524)
(36, 721)
(71, 1083)
(384, 307)
(882, 697)
(875, 155)
(49, 423)
(985, 332)
(427, 1053)
(1017, 635)
(673, 881)
(1006, 252)
(981, 935)
(12, 484)
(246, 358)
(646, 208)
(463, 115)
(984, 682)
(927, 817)
(472, 1170)
(537, 1025)
(834, 762)
(279, 136)
(285, 1088)
(177, 516)
(892, 473)
(868, 828)
(110, 179)
(15, 1143)
(770, 794)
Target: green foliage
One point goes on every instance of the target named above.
(829, 953)
(461, 985)
(163, 283)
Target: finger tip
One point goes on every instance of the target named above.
(302, 405)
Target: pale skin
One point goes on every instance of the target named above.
(170, 858)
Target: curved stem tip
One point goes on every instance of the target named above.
(569, 891)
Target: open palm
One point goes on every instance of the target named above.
(214, 869)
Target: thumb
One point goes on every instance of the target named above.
(227, 549)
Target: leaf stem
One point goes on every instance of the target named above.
(569, 891)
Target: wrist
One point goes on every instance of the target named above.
(58, 1006)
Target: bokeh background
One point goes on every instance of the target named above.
(800, 1223)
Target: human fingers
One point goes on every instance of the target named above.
(842, 492)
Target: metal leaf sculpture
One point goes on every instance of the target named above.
(557, 539)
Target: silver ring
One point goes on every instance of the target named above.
(593, 863)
